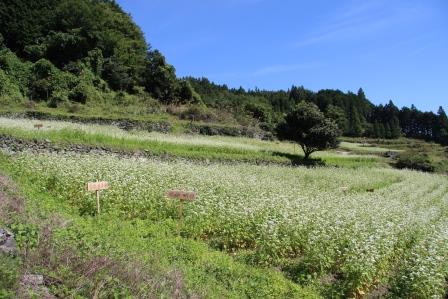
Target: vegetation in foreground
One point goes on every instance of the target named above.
(344, 243)
(109, 257)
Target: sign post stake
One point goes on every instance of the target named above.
(98, 200)
(38, 126)
(181, 216)
(97, 187)
(181, 196)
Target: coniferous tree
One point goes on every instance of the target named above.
(355, 125)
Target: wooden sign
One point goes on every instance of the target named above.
(182, 195)
(97, 187)
(38, 126)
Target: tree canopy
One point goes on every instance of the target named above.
(307, 126)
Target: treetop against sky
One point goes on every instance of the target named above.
(392, 49)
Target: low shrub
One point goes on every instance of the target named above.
(79, 95)
(416, 161)
(56, 100)
(29, 105)
(197, 113)
(9, 276)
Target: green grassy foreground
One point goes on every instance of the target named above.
(100, 255)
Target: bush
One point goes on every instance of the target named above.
(78, 95)
(259, 112)
(8, 87)
(74, 108)
(124, 99)
(56, 100)
(197, 113)
(416, 161)
(30, 105)
(9, 276)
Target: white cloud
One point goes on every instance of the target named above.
(361, 19)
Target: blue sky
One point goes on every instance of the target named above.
(393, 49)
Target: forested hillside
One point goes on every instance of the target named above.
(69, 53)
(354, 113)
(56, 51)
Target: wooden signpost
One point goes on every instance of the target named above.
(182, 196)
(38, 126)
(97, 187)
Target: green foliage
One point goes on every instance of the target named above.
(415, 160)
(17, 72)
(47, 80)
(9, 276)
(307, 126)
(198, 113)
(26, 235)
(79, 94)
(355, 127)
(68, 31)
(338, 115)
(8, 88)
(160, 78)
(258, 111)
(186, 93)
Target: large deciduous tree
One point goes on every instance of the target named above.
(307, 126)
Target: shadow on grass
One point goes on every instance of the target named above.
(297, 160)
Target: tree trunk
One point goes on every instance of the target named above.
(307, 155)
(306, 151)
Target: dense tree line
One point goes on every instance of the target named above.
(93, 38)
(90, 50)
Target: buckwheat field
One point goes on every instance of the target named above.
(317, 225)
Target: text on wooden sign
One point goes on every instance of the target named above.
(97, 186)
(182, 195)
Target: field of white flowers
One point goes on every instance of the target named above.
(296, 219)
(239, 143)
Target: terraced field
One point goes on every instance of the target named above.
(196, 147)
(294, 218)
(334, 232)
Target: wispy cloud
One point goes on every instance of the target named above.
(283, 68)
(361, 19)
(267, 70)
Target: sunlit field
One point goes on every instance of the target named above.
(319, 226)
(182, 145)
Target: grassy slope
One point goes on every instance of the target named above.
(437, 153)
(137, 112)
(203, 148)
(178, 266)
